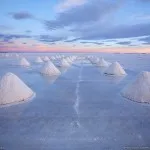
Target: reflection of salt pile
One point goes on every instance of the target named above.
(139, 90)
(50, 69)
(24, 62)
(64, 63)
(102, 63)
(50, 79)
(38, 60)
(46, 58)
(115, 69)
(12, 89)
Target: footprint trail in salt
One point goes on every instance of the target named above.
(77, 101)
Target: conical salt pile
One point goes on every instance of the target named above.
(17, 55)
(94, 60)
(38, 60)
(50, 69)
(69, 60)
(13, 90)
(46, 58)
(139, 90)
(102, 63)
(52, 58)
(64, 63)
(115, 69)
(24, 62)
(7, 55)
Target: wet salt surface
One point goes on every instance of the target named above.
(81, 109)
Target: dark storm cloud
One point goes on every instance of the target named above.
(90, 12)
(21, 15)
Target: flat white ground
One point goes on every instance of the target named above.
(80, 110)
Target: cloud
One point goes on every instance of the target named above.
(72, 40)
(97, 43)
(146, 40)
(9, 37)
(143, 17)
(28, 31)
(120, 31)
(93, 20)
(50, 39)
(124, 43)
(21, 15)
(93, 11)
(146, 43)
(68, 4)
(5, 27)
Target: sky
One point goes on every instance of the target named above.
(75, 26)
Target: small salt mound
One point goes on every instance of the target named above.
(115, 69)
(94, 60)
(139, 90)
(69, 60)
(102, 63)
(24, 62)
(17, 55)
(7, 55)
(13, 90)
(64, 63)
(50, 69)
(38, 60)
(97, 60)
(46, 58)
(52, 58)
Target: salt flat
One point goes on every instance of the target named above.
(82, 109)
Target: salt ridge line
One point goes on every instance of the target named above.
(76, 124)
(76, 105)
